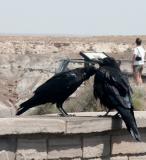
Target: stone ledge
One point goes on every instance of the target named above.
(88, 122)
(16, 126)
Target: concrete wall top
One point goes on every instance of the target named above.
(88, 122)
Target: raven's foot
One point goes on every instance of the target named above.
(71, 115)
(67, 115)
(105, 115)
(117, 115)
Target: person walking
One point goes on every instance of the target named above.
(138, 61)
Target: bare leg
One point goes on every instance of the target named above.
(140, 76)
(137, 76)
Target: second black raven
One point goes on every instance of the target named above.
(58, 88)
(112, 88)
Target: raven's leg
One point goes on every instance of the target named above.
(117, 115)
(63, 112)
(107, 112)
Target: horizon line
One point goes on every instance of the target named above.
(69, 35)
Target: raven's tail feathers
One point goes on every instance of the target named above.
(135, 135)
(27, 105)
(21, 110)
(129, 119)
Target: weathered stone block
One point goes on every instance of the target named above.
(137, 157)
(119, 158)
(31, 125)
(88, 125)
(124, 144)
(7, 148)
(98, 158)
(96, 146)
(110, 158)
(28, 149)
(64, 147)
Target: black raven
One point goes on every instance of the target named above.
(112, 88)
(58, 88)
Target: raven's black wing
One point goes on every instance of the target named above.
(117, 79)
(112, 92)
(59, 84)
(107, 85)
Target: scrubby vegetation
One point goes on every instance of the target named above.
(139, 98)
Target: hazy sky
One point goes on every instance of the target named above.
(73, 17)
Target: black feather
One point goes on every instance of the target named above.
(58, 88)
(113, 89)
